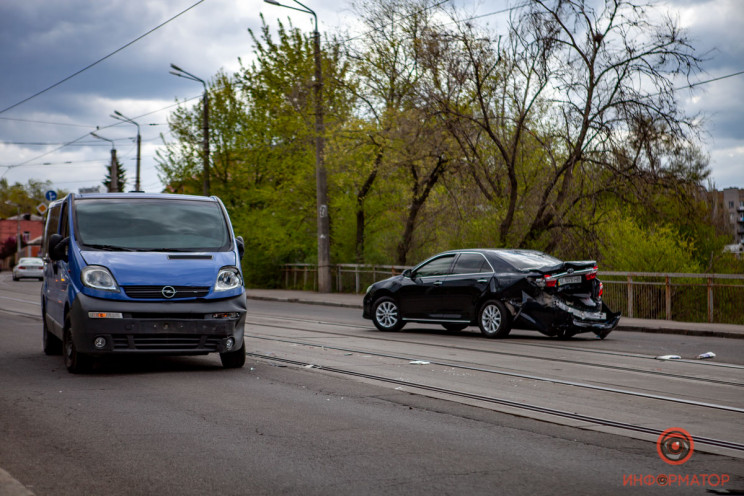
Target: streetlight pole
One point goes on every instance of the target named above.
(177, 71)
(114, 170)
(121, 117)
(321, 182)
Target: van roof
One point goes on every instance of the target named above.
(140, 196)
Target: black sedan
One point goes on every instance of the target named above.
(495, 290)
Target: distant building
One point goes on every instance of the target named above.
(733, 210)
(31, 228)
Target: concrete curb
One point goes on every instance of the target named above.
(11, 487)
(653, 327)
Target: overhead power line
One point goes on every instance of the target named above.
(101, 59)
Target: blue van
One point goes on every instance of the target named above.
(130, 273)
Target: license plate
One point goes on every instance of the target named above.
(569, 280)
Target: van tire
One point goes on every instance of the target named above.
(233, 359)
(52, 344)
(76, 363)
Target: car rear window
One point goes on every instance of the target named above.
(528, 259)
(151, 225)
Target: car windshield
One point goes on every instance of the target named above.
(151, 225)
(528, 259)
(30, 261)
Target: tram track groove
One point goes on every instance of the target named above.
(637, 394)
(519, 355)
(499, 401)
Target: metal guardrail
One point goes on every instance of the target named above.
(683, 297)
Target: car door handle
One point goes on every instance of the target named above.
(437, 283)
(482, 280)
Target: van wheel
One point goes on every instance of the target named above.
(233, 359)
(52, 344)
(76, 363)
(493, 320)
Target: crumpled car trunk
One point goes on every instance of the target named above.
(564, 300)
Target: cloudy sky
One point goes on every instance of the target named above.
(43, 42)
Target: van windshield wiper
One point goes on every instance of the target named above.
(176, 250)
(109, 247)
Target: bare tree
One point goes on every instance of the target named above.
(541, 113)
(405, 136)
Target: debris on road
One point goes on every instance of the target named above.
(708, 354)
(669, 357)
(419, 362)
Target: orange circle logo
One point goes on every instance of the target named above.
(675, 446)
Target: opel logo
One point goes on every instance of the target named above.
(168, 291)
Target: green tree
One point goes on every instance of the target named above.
(121, 177)
(24, 196)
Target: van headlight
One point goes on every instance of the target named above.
(228, 278)
(98, 277)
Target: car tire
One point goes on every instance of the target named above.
(76, 363)
(52, 344)
(454, 327)
(494, 320)
(233, 359)
(386, 315)
(15, 278)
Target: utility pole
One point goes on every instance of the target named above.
(114, 169)
(177, 71)
(121, 117)
(321, 182)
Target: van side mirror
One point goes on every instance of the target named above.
(241, 246)
(57, 247)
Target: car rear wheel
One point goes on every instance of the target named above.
(493, 320)
(386, 315)
(233, 359)
(454, 327)
(52, 344)
(75, 362)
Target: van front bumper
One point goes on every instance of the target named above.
(100, 326)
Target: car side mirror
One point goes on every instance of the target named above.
(57, 247)
(241, 246)
(407, 273)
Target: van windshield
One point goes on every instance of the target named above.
(151, 225)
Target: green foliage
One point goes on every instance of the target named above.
(121, 177)
(440, 137)
(25, 197)
(657, 248)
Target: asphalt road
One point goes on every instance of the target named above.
(187, 426)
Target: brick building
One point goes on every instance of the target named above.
(31, 228)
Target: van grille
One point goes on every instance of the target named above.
(156, 292)
(170, 342)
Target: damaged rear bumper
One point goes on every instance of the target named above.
(554, 317)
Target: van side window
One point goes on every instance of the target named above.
(64, 221)
(52, 224)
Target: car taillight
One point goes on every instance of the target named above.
(21, 267)
(550, 282)
(593, 274)
(601, 288)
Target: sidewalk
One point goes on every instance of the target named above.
(626, 324)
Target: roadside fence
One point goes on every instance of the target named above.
(716, 298)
